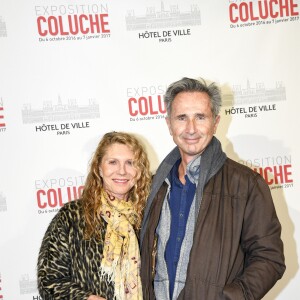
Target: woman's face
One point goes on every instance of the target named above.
(117, 170)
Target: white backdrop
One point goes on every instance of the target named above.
(72, 70)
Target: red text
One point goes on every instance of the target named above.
(54, 197)
(146, 106)
(73, 25)
(263, 9)
(1, 117)
(276, 174)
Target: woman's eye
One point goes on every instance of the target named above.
(130, 162)
(112, 162)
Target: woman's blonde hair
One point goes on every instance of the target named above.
(94, 185)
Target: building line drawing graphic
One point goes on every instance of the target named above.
(163, 18)
(3, 32)
(60, 112)
(254, 95)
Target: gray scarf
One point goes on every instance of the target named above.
(212, 159)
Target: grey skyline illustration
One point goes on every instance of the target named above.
(27, 285)
(3, 32)
(163, 18)
(3, 205)
(254, 95)
(60, 112)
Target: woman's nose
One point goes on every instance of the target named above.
(122, 169)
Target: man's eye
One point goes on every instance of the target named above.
(200, 117)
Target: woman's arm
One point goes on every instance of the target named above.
(55, 279)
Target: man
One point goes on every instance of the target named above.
(210, 230)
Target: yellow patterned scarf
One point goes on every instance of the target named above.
(121, 256)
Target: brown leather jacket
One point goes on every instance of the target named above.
(237, 251)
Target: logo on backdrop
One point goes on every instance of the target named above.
(146, 103)
(262, 12)
(3, 32)
(2, 119)
(3, 205)
(254, 100)
(74, 22)
(277, 171)
(53, 193)
(50, 114)
(1, 295)
(156, 23)
(27, 285)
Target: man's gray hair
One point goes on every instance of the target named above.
(194, 85)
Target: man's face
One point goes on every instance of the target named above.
(191, 123)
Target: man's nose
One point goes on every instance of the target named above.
(191, 126)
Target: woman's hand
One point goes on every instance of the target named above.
(94, 297)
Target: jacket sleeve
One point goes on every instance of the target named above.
(262, 245)
(54, 263)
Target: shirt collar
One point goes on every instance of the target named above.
(193, 169)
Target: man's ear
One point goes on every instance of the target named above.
(169, 124)
(217, 121)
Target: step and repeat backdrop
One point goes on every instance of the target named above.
(71, 71)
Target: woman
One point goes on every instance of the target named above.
(90, 249)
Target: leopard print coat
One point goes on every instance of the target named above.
(68, 265)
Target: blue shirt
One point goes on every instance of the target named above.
(181, 198)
